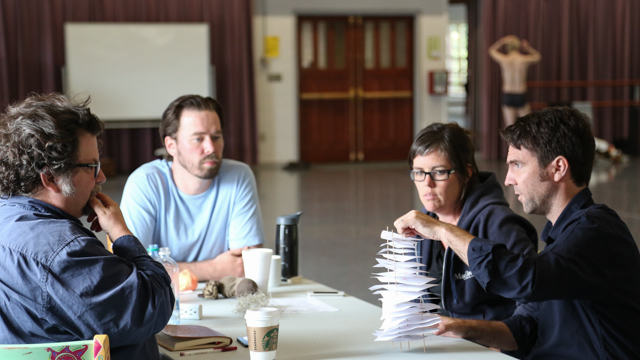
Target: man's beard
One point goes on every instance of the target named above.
(199, 170)
(87, 209)
(539, 203)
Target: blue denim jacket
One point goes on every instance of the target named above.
(59, 283)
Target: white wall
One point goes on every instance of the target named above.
(277, 102)
(429, 109)
(458, 13)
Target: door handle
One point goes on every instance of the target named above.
(398, 94)
(329, 95)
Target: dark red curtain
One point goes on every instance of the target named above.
(32, 55)
(578, 40)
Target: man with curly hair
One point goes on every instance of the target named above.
(56, 277)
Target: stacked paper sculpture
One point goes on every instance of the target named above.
(405, 317)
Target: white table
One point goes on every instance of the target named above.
(344, 334)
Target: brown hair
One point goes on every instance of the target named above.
(171, 116)
(453, 142)
(553, 132)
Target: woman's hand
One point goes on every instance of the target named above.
(417, 223)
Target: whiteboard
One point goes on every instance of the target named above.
(132, 71)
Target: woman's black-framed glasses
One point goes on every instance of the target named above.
(96, 168)
(436, 175)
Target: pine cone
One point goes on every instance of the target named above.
(211, 289)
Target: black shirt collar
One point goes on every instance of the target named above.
(553, 231)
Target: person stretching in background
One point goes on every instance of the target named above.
(514, 66)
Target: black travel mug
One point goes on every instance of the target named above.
(287, 243)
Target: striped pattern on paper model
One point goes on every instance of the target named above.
(405, 316)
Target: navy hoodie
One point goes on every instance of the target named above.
(485, 214)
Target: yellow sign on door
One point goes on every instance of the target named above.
(271, 47)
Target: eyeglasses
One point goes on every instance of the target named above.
(96, 168)
(436, 175)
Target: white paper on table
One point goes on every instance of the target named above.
(299, 305)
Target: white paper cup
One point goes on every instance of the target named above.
(275, 274)
(257, 263)
(263, 326)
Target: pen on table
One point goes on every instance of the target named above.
(208, 351)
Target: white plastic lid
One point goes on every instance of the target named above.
(164, 251)
(262, 312)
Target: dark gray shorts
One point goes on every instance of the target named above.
(514, 100)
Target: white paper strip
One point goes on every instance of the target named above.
(390, 235)
(396, 251)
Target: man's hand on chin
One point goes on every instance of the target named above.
(107, 217)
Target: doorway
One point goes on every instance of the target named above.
(356, 88)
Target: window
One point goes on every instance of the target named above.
(457, 53)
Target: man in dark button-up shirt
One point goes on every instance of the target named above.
(579, 296)
(57, 280)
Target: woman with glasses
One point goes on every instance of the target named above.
(452, 190)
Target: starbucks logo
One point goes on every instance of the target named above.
(270, 340)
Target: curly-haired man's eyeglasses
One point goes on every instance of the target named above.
(96, 168)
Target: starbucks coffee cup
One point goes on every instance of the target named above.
(262, 332)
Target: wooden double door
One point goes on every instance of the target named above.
(356, 88)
